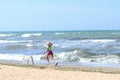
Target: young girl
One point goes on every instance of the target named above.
(50, 53)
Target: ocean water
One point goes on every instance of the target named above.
(98, 48)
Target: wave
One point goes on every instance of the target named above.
(69, 56)
(20, 47)
(6, 35)
(11, 56)
(59, 33)
(79, 56)
(11, 41)
(19, 57)
(102, 40)
(84, 43)
(29, 45)
(17, 41)
(95, 41)
(28, 35)
(73, 56)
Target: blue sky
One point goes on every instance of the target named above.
(41, 15)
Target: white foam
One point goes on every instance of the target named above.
(38, 57)
(10, 41)
(25, 35)
(5, 35)
(102, 40)
(59, 33)
(84, 60)
(69, 56)
(11, 57)
(19, 57)
(108, 59)
(28, 35)
(29, 45)
(65, 56)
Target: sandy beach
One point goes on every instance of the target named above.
(10, 72)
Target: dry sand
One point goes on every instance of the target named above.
(9, 72)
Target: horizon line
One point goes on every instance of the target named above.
(60, 30)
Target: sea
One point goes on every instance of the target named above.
(90, 48)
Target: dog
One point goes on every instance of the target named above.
(28, 59)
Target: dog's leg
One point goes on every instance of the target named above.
(32, 61)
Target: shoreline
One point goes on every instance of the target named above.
(101, 69)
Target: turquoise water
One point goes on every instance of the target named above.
(99, 47)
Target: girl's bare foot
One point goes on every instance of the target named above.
(56, 63)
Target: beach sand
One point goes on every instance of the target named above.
(13, 72)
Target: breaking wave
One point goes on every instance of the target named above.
(28, 35)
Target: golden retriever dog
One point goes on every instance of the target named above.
(28, 59)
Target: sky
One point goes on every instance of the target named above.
(45, 15)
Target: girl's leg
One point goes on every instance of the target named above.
(48, 59)
(56, 63)
(51, 56)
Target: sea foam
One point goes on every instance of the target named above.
(28, 35)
